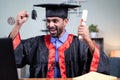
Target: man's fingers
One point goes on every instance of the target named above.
(22, 17)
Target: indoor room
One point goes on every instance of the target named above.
(102, 20)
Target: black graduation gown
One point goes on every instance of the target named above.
(78, 58)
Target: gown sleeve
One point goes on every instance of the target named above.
(98, 62)
(16, 41)
(24, 50)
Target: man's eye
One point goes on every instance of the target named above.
(55, 21)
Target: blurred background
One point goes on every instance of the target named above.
(103, 13)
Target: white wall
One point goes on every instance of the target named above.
(104, 13)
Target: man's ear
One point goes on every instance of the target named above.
(66, 21)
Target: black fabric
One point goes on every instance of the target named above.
(57, 10)
(34, 52)
(76, 58)
(57, 5)
(34, 14)
(104, 65)
(8, 69)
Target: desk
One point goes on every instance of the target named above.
(49, 79)
(46, 79)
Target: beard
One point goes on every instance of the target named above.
(55, 31)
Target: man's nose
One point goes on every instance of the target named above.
(51, 24)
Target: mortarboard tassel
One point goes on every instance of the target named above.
(34, 14)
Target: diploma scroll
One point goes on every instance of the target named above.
(83, 19)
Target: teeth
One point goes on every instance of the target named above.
(52, 29)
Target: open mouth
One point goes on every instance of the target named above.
(53, 30)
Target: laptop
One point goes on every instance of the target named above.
(8, 69)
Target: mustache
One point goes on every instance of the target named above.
(52, 28)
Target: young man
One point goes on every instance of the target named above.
(57, 54)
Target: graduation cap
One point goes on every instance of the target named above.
(54, 10)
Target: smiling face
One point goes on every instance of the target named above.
(56, 26)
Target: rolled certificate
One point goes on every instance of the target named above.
(83, 19)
